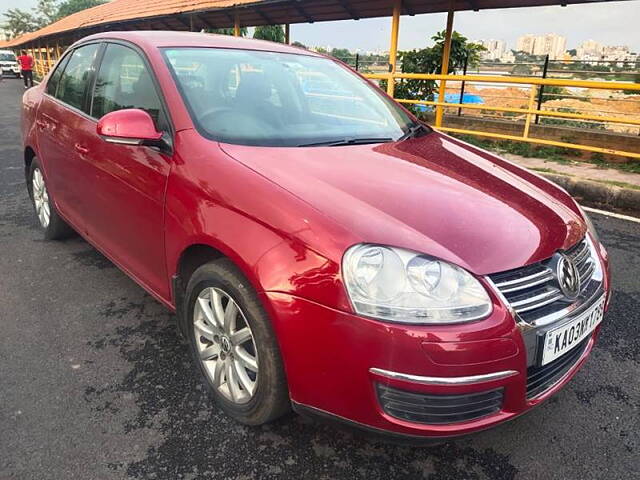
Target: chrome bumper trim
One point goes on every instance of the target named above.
(444, 380)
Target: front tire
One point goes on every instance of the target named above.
(53, 226)
(234, 346)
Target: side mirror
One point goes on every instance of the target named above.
(130, 126)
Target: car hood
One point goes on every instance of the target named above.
(432, 194)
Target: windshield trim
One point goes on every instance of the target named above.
(353, 140)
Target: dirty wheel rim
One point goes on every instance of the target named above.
(41, 198)
(226, 346)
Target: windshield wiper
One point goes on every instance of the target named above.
(348, 141)
(414, 131)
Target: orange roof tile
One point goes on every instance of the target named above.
(165, 13)
(119, 10)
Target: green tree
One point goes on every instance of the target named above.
(69, 7)
(461, 49)
(341, 53)
(227, 31)
(298, 44)
(273, 33)
(46, 11)
(19, 21)
(522, 70)
(429, 60)
(553, 92)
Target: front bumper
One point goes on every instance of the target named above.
(337, 364)
(10, 70)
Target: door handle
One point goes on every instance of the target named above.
(80, 149)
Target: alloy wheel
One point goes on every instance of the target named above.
(225, 344)
(41, 198)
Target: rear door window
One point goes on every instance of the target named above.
(54, 79)
(74, 81)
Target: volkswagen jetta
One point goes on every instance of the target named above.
(321, 247)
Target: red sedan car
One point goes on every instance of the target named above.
(321, 248)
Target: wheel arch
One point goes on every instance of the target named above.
(192, 256)
(29, 155)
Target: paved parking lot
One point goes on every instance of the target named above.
(94, 383)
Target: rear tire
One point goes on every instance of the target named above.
(53, 226)
(240, 365)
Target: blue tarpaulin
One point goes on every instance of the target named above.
(452, 98)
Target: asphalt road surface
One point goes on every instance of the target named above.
(94, 383)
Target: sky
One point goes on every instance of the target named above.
(610, 23)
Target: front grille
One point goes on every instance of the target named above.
(438, 409)
(540, 379)
(533, 291)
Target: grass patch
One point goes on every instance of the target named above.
(617, 184)
(632, 166)
(547, 170)
(555, 154)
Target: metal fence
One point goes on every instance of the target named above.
(576, 100)
(530, 112)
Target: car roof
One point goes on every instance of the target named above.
(169, 38)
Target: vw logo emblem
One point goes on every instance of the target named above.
(568, 277)
(225, 343)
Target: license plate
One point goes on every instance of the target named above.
(559, 341)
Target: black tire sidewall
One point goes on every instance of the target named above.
(57, 228)
(35, 164)
(271, 398)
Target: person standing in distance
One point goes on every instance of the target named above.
(26, 68)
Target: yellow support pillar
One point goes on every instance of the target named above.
(39, 66)
(532, 99)
(32, 54)
(446, 53)
(48, 58)
(393, 48)
(287, 34)
(236, 25)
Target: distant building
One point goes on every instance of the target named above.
(592, 51)
(589, 47)
(550, 44)
(526, 43)
(4, 34)
(615, 52)
(495, 49)
(589, 50)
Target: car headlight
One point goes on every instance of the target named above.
(398, 285)
(590, 227)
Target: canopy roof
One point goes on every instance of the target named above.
(198, 14)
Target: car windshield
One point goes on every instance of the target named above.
(7, 57)
(277, 99)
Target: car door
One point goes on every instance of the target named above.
(62, 124)
(127, 182)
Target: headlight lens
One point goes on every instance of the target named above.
(398, 285)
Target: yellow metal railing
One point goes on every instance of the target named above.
(531, 111)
